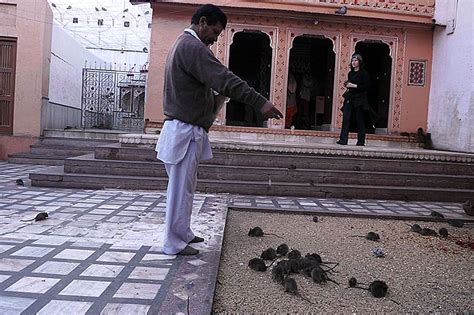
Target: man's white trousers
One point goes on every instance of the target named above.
(179, 202)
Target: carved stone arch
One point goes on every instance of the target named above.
(335, 38)
(222, 51)
(271, 32)
(392, 43)
(235, 28)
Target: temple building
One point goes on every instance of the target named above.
(297, 53)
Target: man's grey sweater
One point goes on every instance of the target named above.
(191, 72)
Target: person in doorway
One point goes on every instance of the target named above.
(355, 100)
(291, 104)
(193, 79)
(306, 87)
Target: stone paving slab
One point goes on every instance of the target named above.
(387, 209)
(99, 252)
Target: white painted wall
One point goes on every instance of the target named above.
(68, 57)
(125, 60)
(451, 107)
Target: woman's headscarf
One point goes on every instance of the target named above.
(361, 61)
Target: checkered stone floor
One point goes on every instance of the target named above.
(99, 251)
(343, 207)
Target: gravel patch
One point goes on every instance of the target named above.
(424, 274)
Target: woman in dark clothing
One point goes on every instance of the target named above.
(355, 100)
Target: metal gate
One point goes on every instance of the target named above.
(113, 99)
(7, 84)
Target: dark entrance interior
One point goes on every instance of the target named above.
(310, 83)
(250, 58)
(378, 64)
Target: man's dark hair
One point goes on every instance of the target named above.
(212, 13)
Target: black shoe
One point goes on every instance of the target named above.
(360, 144)
(196, 239)
(188, 251)
(341, 142)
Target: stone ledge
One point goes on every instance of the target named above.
(332, 149)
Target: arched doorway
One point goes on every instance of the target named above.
(310, 83)
(250, 58)
(378, 64)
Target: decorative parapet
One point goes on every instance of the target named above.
(417, 7)
(419, 11)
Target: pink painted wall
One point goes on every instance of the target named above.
(30, 22)
(415, 99)
(11, 145)
(168, 24)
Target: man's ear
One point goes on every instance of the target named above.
(202, 20)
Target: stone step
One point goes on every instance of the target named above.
(27, 158)
(59, 150)
(88, 165)
(83, 134)
(74, 142)
(55, 177)
(299, 161)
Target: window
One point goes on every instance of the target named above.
(417, 72)
(100, 22)
(75, 20)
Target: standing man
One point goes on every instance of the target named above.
(193, 79)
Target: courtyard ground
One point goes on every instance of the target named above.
(99, 252)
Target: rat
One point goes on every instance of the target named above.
(436, 214)
(291, 287)
(352, 282)
(294, 254)
(281, 270)
(377, 288)
(258, 232)
(319, 275)
(371, 236)
(415, 228)
(282, 249)
(315, 257)
(455, 223)
(278, 273)
(268, 254)
(301, 265)
(257, 264)
(428, 232)
(443, 232)
(39, 217)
